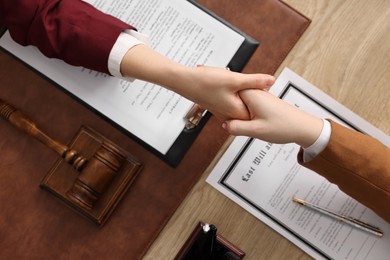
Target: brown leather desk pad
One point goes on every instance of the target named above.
(35, 225)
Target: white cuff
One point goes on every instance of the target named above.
(319, 145)
(125, 41)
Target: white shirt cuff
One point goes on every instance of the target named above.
(319, 145)
(126, 40)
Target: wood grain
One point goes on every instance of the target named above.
(346, 53)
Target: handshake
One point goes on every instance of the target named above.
(244, 105)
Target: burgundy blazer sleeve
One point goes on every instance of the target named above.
(71, 30)
(359, 165)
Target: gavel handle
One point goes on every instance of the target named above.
(22, 122)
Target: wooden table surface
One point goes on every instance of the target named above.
(346, 53)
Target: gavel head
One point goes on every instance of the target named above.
(96, 175)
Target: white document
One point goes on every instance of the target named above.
(178, 30)
(264, 177)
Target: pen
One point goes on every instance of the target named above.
(350, 220)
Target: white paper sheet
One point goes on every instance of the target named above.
(263, 178)
(178, 30)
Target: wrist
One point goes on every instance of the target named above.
(310, 131)
(176, 78)
(182, 80)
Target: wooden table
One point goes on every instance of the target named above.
(346, 53)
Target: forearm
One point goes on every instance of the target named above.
(359, 165)
(144, 63)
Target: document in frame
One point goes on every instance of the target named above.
(264, 177)
(177, 29)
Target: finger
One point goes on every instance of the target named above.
(250, 97)
(239, 127)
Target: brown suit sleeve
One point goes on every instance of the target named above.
(359, 165)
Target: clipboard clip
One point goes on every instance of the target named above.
(194, 116)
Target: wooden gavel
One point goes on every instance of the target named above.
(96, 173)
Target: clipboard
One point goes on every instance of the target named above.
(237, 63)
(247, 48)
(184, 141)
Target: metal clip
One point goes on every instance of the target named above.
(194, 116)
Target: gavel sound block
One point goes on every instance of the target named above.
(92, 175)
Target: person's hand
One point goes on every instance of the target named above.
(274, 120)
(216, 89)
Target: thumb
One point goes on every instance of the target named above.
(258, 81)
(239, 127)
